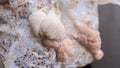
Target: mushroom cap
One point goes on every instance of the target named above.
(35, 20)
(52, 28)
(99, 54)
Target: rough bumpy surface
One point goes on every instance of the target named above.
(19, 48)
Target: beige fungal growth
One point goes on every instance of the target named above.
(35, 20)
(52, 28)
(48, 26)
(50, 43)
(63, 49)
(90, 38)
(52, 32)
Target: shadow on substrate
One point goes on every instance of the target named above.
(88, 66)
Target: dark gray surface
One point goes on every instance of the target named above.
(110, 32)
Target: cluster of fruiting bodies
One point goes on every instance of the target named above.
(52, 32)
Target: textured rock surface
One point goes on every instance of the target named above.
(20, 48)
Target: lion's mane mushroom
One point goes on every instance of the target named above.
(52, 32)
(90, 38)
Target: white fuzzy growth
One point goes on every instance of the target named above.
(35, 20)
(52, 28)
(48, 26)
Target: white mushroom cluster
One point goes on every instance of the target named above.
(47, 26)
(50, 29)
